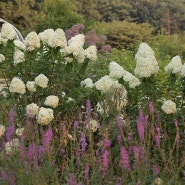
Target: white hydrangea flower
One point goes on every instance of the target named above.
(2, 130)
(116, 71)
(183, 71)
(19, 45)
(32, 109)
(31, 86)
(32, 41)
(18, 57)
(93, 125)
(80, 39)
(19, 131)
(7, 32)
(91, 53)
(174, 66)
(79, 56)
(146, 63)
(12, 145)
(45, 116)
(2, 58)
(17, 86)
(132, 80)
(106, 83)
(42, 81)
(52, 101)
(169, 107)
(87, 83)
(45, 35)
(68, 60)
(58, 39)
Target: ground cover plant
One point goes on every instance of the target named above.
(71, 116)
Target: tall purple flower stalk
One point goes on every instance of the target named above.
(118, 181)
(12, 178)
(106, 143)
(83, 142)
(75, 124)
(4, 176)
(141, 124)
(72, 180)
(136, 153)
(88, 109)
(155, 170)
(106, 162)
(86, 173)
(151, 108)
(11, 115)
(10, 132)
(47, 138)
(157, 137)
(124, 162)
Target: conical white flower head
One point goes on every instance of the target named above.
(146, 63)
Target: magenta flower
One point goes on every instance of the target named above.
(83, 142)
(124, 162)
(105, 161)
(155, 170)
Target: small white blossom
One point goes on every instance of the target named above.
(17, 86)
(91, 53)
(87, 83)
(93, 125)
(32, 41)
(52, 101)
(32, 109)
(146, 63)
(2, 130)
(12, 145)
(116, 71)
(18, 57)
(42, 81)
(31, 86)
(19, 45)
(174, 66)
(69, 99)
(19, 131)
(2, 58)
(169, 107)
(45, 116)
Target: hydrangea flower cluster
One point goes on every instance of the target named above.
(169, 107)
(174, 66)
(146, 63)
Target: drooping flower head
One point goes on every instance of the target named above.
(87, 83)
(7, 32)
(91, 53)
(32, 109)
(131, 79)
(31, 86)
(18, 57)
(146, 63)
(2, 58)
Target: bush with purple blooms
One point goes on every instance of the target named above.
(65, 119)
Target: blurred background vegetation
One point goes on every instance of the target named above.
(126, 23)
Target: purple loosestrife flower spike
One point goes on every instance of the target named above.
(155, 170)
(12, 179)
(72, 180)
(86, 173)
(75, 124)
(106, 143)
(11, 115)
(41, 152)
(124, 162)
(32, 150)
(157, 137)
(105, 161)
(141, 125)
(118, 181)
(136, 152)
(4, 175)
(83, 142)
(10, 132)
(151, 108)
(88, 109)
(48, 137)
